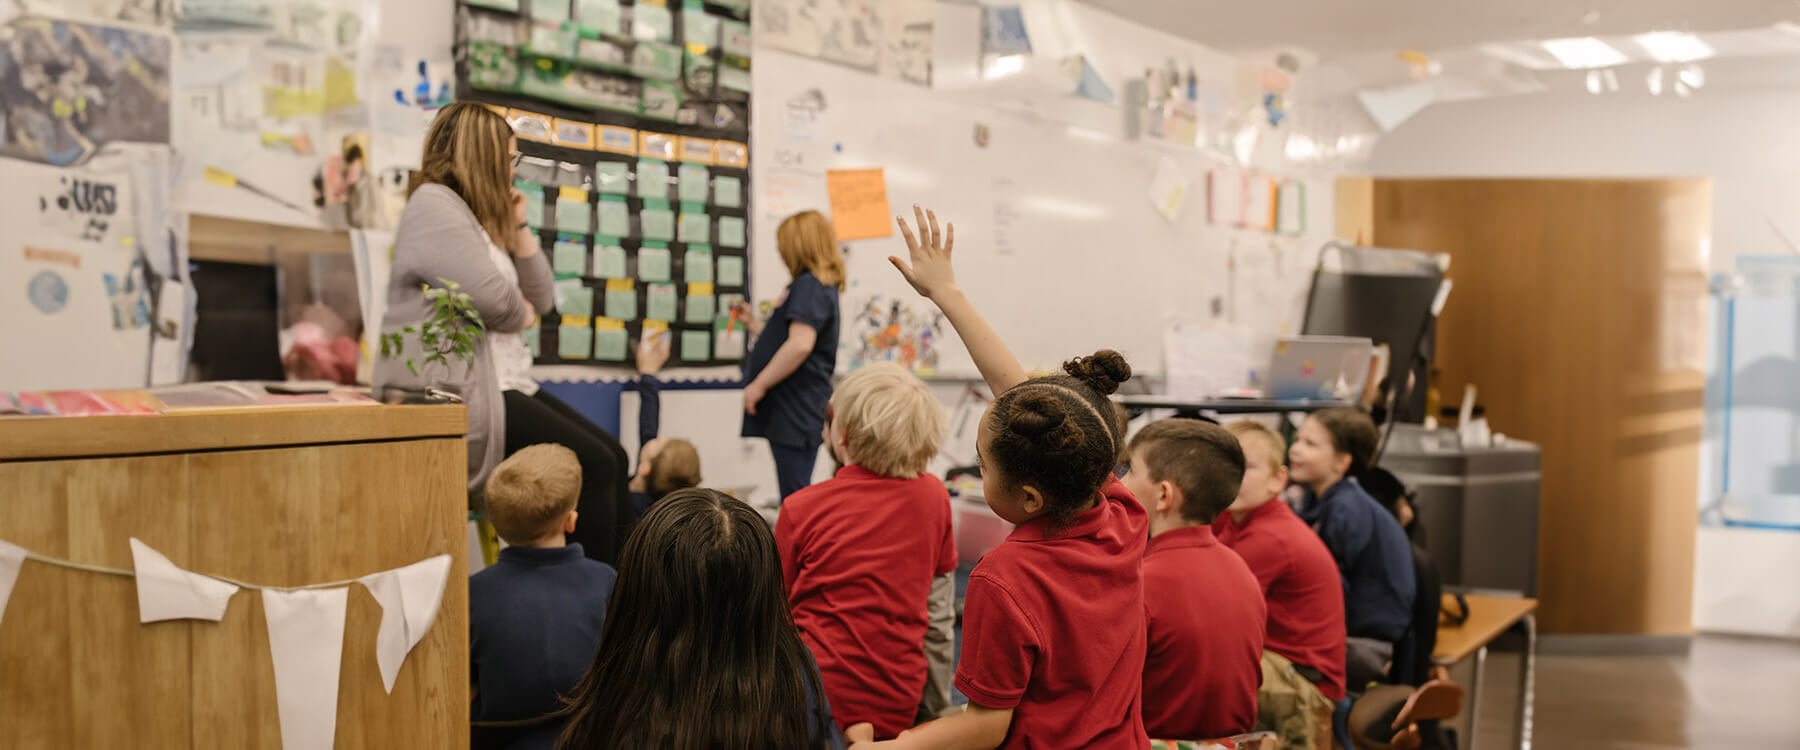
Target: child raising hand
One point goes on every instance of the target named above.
(1053, 635)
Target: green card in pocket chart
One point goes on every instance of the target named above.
(653, 263)
(691, 183)
(695, 225)
(729, 335)
(731, 270)
(574, 298)
(657, 221)
(728, 192)
(575, 340)
(613, 177)
(699, 303)
(697, 265)
(660, 301)
(653, 179)
(534, 202)
(615, 216)
(570, 256)
(621, 299)
(731, 231)
(696, 346)
(609, 258)
(573, 212)
(610, 340)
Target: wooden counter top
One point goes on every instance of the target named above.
(37, 438)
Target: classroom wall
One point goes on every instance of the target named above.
(1742, 138)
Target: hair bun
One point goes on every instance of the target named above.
(1040, 418)
(1103, 371)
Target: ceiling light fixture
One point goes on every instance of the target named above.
(1655, 81)
(1583, 52)
(1612, 80)
(1593, 81)
(1674, 46)
(1692, 77)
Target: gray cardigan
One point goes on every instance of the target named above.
(439, 238)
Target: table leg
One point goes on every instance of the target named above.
(1527, 682)
(1475, 698)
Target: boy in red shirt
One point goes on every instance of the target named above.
(1053, 630)
(861, 552)
(1303, 657)
(1203, 608)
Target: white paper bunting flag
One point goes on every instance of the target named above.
(409, 599)
(11, 557)
(166, 592)
(306, 643)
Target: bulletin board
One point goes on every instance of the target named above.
(634, 122)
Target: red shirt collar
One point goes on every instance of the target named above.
(1086, 523)
(1182, 538)
(1262, 511)
(856, 471)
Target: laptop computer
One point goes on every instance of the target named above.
(1319, 367)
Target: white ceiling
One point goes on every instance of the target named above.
(1334, 29)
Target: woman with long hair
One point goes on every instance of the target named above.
(465, 223)
(699, 650)
(788, 374)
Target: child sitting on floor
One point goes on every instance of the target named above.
(1303, 643)
(664, 464)
(1371, 550)
(535, 616)
(860, 552)
(1203, 609)
(1053, 623)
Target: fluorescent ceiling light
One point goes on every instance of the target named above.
(1674, 46)
(1583, 52)
(1005, 65)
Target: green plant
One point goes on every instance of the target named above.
(453, 329)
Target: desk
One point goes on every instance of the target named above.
(1489, 618)
(277, 496)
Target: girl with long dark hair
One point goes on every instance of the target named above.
(699, 650)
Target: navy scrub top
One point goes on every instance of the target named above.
(793, 412)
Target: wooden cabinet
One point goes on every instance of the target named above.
(281, 497)
(1578, 311)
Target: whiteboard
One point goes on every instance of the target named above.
(1058, 242)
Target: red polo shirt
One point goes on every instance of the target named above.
(858, 554)
(1300, 585)
(1053, 629)
(1204, 611)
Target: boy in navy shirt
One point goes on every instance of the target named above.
(535, 616)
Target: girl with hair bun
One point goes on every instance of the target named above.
(1053, 625)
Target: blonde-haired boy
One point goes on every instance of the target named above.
(535, 615)
(1303, 645)
(868, 555)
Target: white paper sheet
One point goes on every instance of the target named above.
(1168, 190)
(306, 644)
(166, 592)
(11, 557)
(409, 599)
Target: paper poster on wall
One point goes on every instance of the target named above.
(892, 38)
(859, 203)
(70, 90)
(892, 329)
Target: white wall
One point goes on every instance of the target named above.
(1744, 139)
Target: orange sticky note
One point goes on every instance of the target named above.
(859, 203)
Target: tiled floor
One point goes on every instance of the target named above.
(1727, 694)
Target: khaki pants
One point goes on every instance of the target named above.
(1292, 707)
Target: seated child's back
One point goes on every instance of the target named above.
(1203, 608)
(859, 552)
(536, 615)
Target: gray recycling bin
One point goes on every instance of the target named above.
(1479, 506)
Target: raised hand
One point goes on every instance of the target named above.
(929, 271)
(652, 352)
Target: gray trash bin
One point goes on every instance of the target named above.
(1479, 506)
